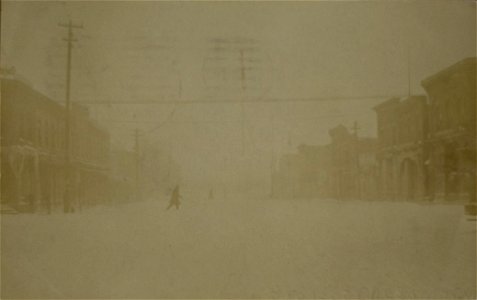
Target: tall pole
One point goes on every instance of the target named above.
(358, 167)
(137, 163)
(242, 105)
(408, 72)
(272, 164)
(68, 184)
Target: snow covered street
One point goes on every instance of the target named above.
(254, 248)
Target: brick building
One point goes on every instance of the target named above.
(402, 129)
(90, 163)
(303, 174)
(368, 168)
(452, 137)
(353, 165)
(32, 149)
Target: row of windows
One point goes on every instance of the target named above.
(41, 132)
(410, 132)
(450, 112)
(89, 147)
(408, 128)
(49, 135)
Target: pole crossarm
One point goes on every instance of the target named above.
(70, 25)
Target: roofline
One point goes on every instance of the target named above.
(58, 106)
(31, 89)
(394, 100)
(447, 71)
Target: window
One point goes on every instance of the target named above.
(55, 135)
(62, 136)
(30, 129)
(47, 134)
(38, 132)
(21, 125)
(447, 113)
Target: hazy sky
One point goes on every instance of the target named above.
(152, 51)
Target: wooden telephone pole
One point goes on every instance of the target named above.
(137, 165)
(355, 129)
(68, 184)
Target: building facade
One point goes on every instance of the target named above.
(90, 163)
(344, 158)
(451, 139)
(304, 174)
(33, 151)
(402, 129)
(353, 165)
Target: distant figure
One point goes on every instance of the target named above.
(175, 198)
(211, 194)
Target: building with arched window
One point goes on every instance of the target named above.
(451, 137)
(402, 127)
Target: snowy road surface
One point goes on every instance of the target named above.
(248, 249)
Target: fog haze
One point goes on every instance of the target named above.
(157, 51)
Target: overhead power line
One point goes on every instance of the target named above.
(237, 101)
(300, 119)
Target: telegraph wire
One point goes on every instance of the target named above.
(317, 117)
(239, 102)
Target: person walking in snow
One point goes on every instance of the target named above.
(175, 198)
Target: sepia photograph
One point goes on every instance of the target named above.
(238, 149)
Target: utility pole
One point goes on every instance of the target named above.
(273, 162)
(242, 105)
(137, 163)
(68, 184)
(408, 72)
(358, 167)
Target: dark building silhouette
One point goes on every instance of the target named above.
(304, 174)
(402, 129)
(452, 137)
(368, 171)
(344, 169)
(33, 155)
(353, 165)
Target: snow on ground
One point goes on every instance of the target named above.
(247, 248)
